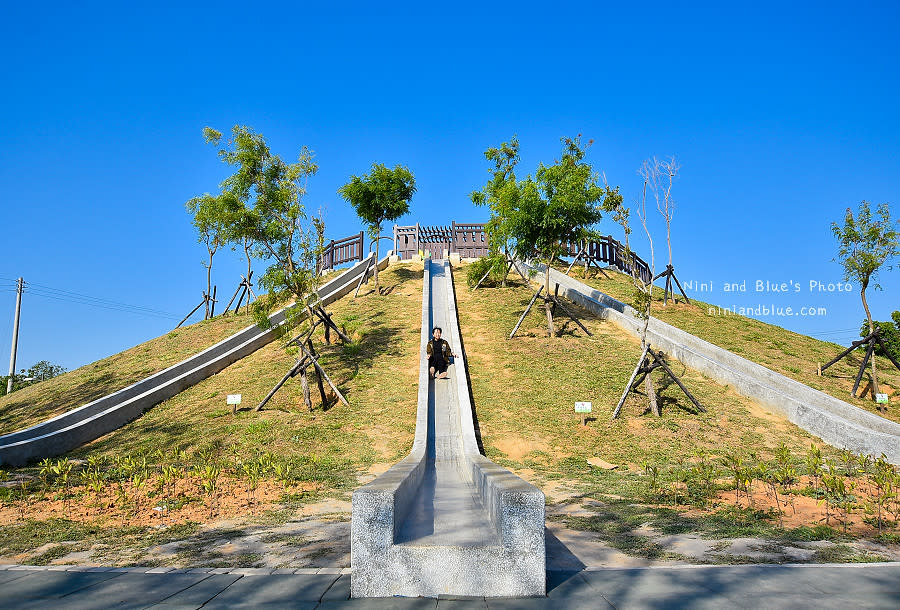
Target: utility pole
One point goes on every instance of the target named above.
(15, 338)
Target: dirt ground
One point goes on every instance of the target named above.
(237, 531)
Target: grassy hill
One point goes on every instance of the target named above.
(786, 352)
(523, 391)
(38, 402)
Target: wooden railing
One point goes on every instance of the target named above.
(609, 251)
(342, 251)
(469, 240)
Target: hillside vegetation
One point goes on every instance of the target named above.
(786, 352)
(197, 461)
(35, 403)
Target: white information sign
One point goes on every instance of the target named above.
(234, 399)
(881, 399)
(582, 407)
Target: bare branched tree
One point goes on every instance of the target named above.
(659, 177)
(643, 301)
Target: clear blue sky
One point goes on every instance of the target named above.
(781, 114)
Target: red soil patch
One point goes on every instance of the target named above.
(149, 506)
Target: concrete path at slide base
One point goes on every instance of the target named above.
(747, 586)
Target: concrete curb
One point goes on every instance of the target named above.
(89, 422)
(834, 421)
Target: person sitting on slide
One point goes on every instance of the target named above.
(439, 354)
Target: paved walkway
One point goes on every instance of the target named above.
(749, 586)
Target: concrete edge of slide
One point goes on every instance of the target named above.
(91, 421)
(516, 507)
(836, 422)
(379, 507)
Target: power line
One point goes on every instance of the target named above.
(59, 294)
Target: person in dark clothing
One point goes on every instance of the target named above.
(439, 354)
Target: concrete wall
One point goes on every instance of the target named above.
(91, 421)
(834, 421)
(514, 567)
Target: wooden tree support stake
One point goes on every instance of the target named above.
(245, 289)
(551, 302)
(213, 301)
(525, 313)
(648, 362)
(869, 340)
(325, 317)
(322, 372)
(483, 277)
(202, 303)
(364, 278)
(294, 370)
(669, 274)
(300, 367)
(631, 381)
(577, 257)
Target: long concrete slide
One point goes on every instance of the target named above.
(446, 520)
(836, 422)
(91, 421)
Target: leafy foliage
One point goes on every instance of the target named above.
(382, 194)
(560, 203)
(865, 242)
(500, 194)
(264, 199)
(40, 371)
(890, 334)
(494, 265)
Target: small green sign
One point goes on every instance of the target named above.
(881, 399)
(582, 407)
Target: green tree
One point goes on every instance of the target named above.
(865, 242)
(242, 232)
(212, 219)
(382, 194)
(890, 334)
(40, 371)
(264, 200)
(561, 203)
(44, 370)
(501, 195)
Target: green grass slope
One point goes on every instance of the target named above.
(378, 374)
(525, 389)
(791, 354)
(41, 401)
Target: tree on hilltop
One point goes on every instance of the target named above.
(501, 195)
(266, 198)
(561, 203)
(211, 220)
(381, 195)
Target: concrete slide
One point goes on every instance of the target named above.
(836, 422)
(446, 520)
(91, 421)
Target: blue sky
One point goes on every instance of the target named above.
(781, 114)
